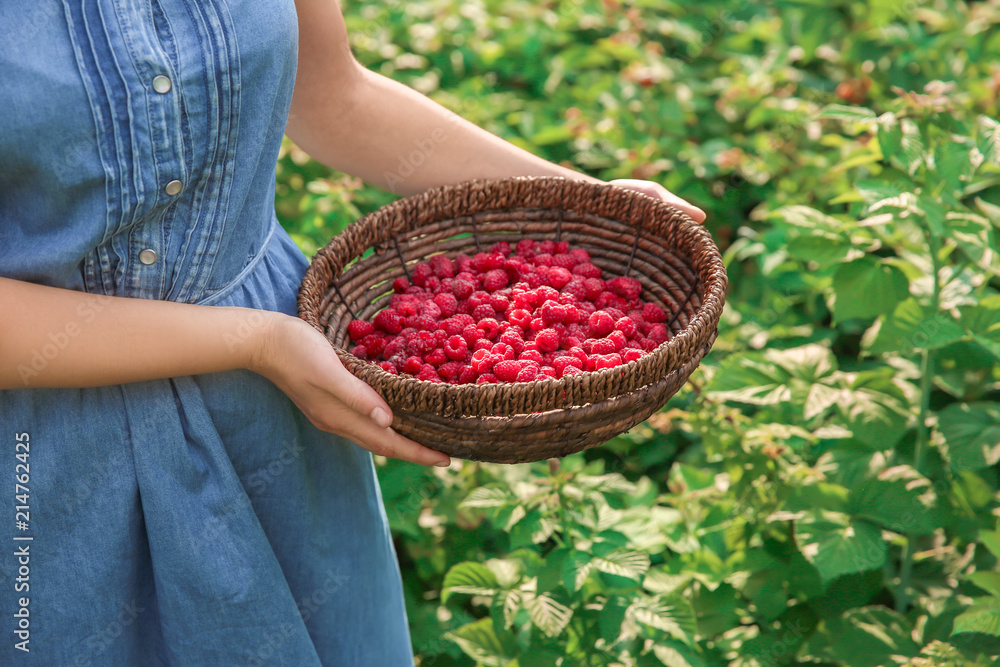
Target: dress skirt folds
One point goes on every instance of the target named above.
(196, 520)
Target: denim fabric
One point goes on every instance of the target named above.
(197, 520)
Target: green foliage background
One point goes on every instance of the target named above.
(825, 489)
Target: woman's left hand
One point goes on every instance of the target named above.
(657, 191)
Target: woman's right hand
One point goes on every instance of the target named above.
(301, 362)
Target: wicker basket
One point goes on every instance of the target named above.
(626, 233)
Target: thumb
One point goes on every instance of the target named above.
(361, 398)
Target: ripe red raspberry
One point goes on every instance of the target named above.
(600, 324)
(560, 363)
(463, 263)
(547, 340)
(436, 357)
(446, 303)
(571, 313)
(483, 311)
(603, 361)
(630, 354)
(564, 260)
(432, 284)
(502, 350)
(388, 367)
(486, 378)
(490, 328)
(471, 334)
(569, 342)
(394, 347)
(400, 285)
(525, 245)
(627, 288)
(546, 293)
(559, 277)
(375, 343)
(537, 324)
(527, 374)
(482, 361)
(608, 300)
(587, 270)
(507, 370)
(422, 322)
(627, 326)
(648, 344)
(501, 247)
(530, 355)
(561, 247)
(615, 313)
(420, 273)
(580, 255)
(495, 279)
(429, 308)
(389, 321)
(543, 259)
(482, 344)
(547, 245)
(452, 326)
(520, 317)
(593, 287)
(500, 302)
(360, 351)
(407, 308)
(467, 375)
(456, 348)
(658, 334)
(428, 374)
(552, 312)
(576, 288)
(513, 338)
(653, 313)
(451, 370)
(462, 289)
(570, 370)
(602, 346)
(618, 339)
(442, 266)
(479, 298)
(412, 365)
(358, 329)
(421, 344)
(535, 278)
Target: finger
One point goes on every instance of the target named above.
(360, 397)
(657, 191)
(386, 442)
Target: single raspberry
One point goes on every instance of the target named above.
(587, 270)
(547, 340)
(564, 260)
(430, 309)
(607, 361)
(421, 344)
(375, 343)
(593, 287)
(552, 312)
(507, 370)
(490, 328)
(537, 324)
(560, 363)
(546, 293)
(653, 313)
(400, 285)
(648, 344)
(358, 329)
(527, 374)
(570, 370)
(393, 348)
(536, 278)
(609, 300)
(600, 324)
(432, 284)
(463, 263)
(525, 301)
(559, 277)
(412, 365)
(450, 370)
(388, 367)
(422, 322)
(451, 326)
(482, 344)
(569, 342)
(501, 247)
(561, 247)
(571, 313)
(471, 334)
(530, 355)
(420, 273)
(467, 375)
(602, 346)
(543, 259)
(482, 361)
(658, 334)
(618, 339)
(502, 350)
(446, 303)
(463, 289)
(360, 351)
(615, 313)
(630, 354)
(486, 378)
(547, 245)
(483, 311)
(495, 279)
(428, 374)
(407, 308)
(442, 266)
(456, 348)
(625, 287)
(627, 326)
(513, 338)
(389, 321)
(576, 288)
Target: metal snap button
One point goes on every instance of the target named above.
(162, 84)
(173, 187)
(147, 256)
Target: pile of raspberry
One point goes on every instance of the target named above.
(542, 311)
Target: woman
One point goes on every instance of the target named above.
(188, 490)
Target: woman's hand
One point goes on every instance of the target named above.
(657, 191)
(300, 361)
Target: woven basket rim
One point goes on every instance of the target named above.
(701, 326)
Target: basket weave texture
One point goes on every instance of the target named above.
(626, 233)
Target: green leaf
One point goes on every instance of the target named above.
(989, 139)
(469, 578)
(991, 540)
(954, 164)
(909, 328)
(890, 135)
(547, 615)
(623, 563)
(899, 498)
(988, 581)
(836, 545)
(983, 616)
(670, 614)
(875, 409)
(982, 322)
(480, 642)
(971, 434)
(488, 497)
(867, 288)
(847, 114)
(865, 637)
(675, 654)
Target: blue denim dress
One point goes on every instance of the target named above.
(197, 520)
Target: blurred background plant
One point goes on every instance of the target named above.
(825, 490)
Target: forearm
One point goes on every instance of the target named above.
(398, 139)
(64, 338)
